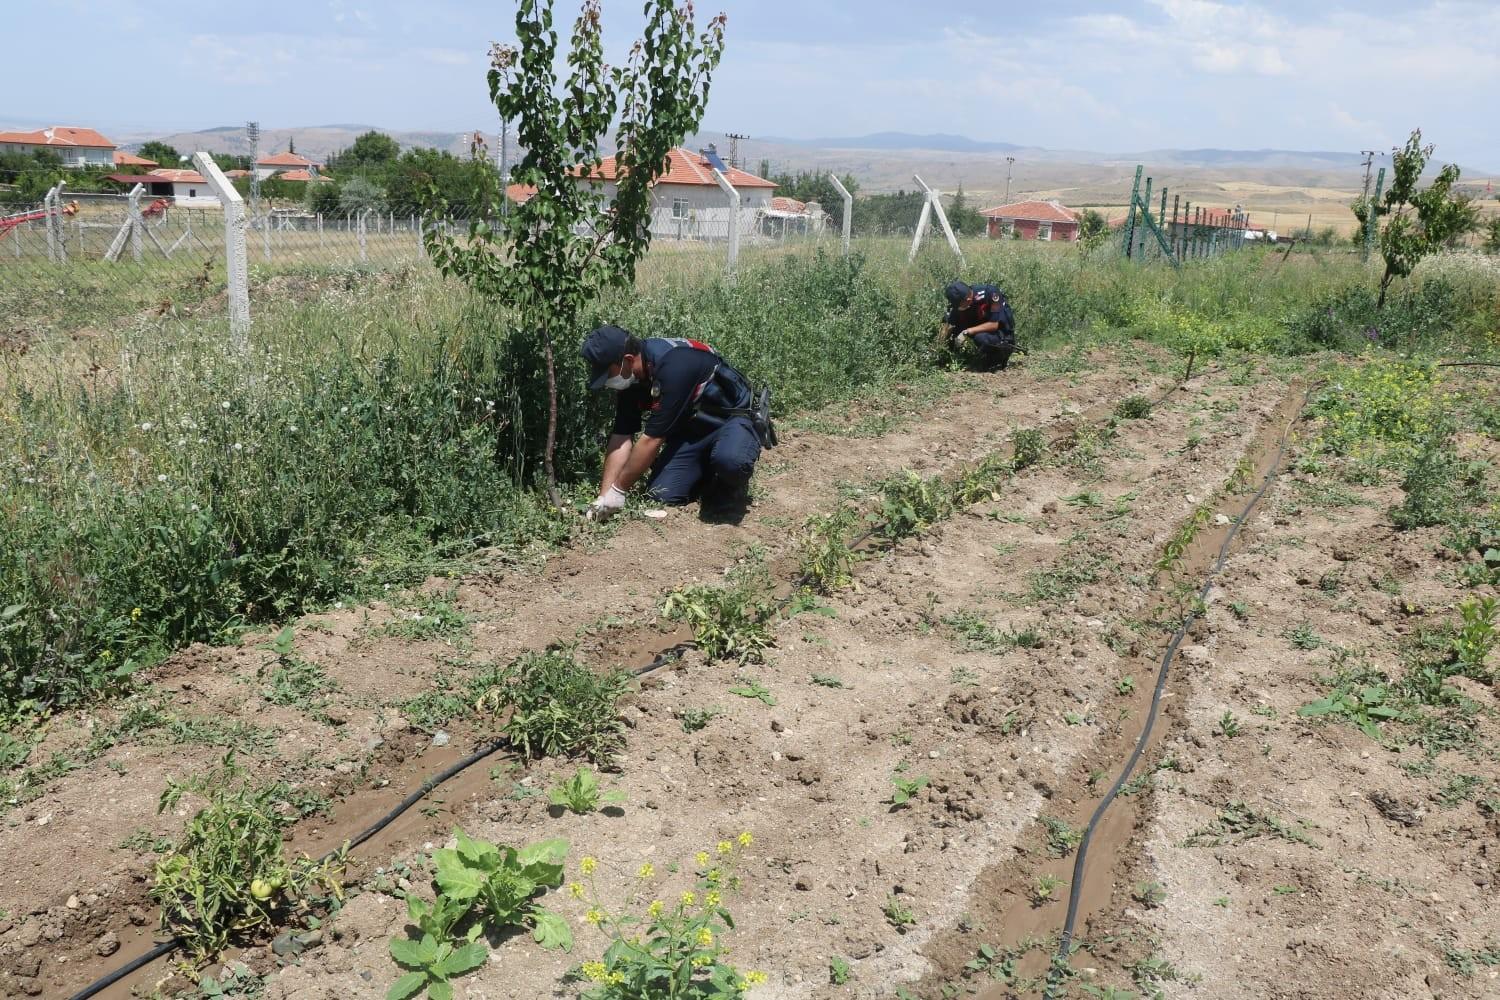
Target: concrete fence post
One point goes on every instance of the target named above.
(848, 209)
(234, 248)
(364, 256)
(734, 223)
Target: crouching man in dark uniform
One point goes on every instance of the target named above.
(700, 426)
(982, 314)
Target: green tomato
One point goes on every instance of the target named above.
(261, 889)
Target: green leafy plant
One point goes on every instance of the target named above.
(909, 505)
(839, 971)
(1133, 408)
(729, 622)
(559, 707)
(580, 793)
(824, 558)
(502, 884)
(1365, 707)
(982, 481)
(228, 875)
(433, 962)
(752, 688)
(906, 788)
(670, 951)
(1477, 635)
(828, 681)
(1302, 636)
(1027, 447)
(1061, 838)
(1229, 726)
(694, 719)
(1044, 889)
(1125, 685)
(898, 914)
(1149, 894)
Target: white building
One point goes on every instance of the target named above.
(77, 147)
(687, 203)
(187, 188)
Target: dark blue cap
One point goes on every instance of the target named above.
(604, 346)
(956, 292)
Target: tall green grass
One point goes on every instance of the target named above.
(157, 489)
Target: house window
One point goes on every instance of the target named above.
(192, 192)
(680, 208)
(1044, 231)
(1008, 227)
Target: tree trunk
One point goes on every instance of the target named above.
(551, 446)
(1385, 283)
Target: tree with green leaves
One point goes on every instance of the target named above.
(371, 149)
(359, 194)
(1093, 229)
(1414, 222)
(163, 154)
(962, 216)
(551, 255)
(1492, 236)
(814, 185)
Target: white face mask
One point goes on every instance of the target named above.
(618, 382)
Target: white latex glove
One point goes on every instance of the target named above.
(610, 503)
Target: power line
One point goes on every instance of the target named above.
(734, 148)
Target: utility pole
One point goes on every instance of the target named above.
(252, 133)
(1369, 155)
(1010, 161)
(734, 148)
(502, 163)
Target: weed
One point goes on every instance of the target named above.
(898, 914)
(1466, 963)
(839, 971)
(1477, 635)
(558, 706)
(1302, 636)
(964, 675)
(1365, 707)
(807, 604)
(827, 681)
(1087, 499)
(728, 622)
(1133, 408)
(1238, 822)
(1000, 966)
(580, 793)
(1027, 447)
(1240, 610)
(1078, 567)
(1044, 889)
(824, 558)
(980, 482)
(909, 505)
(1459, 789)
(228, 876)
(1437, 483)
(1149, 894)
(429, 616)
(501, 883)
(975, 633)
(752, 688)
(1222, 902)
(906, 789)
(1061, 838)
(1125, 686)
(1177, 546)
(1107, 992)
(1229, 726)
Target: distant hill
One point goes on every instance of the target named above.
(316, 142)
(905, 140)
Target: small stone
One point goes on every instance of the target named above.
(311, 939)
(374, 743)
(776, 755)
(137, 916)
(285, 945)
(440, 738)
(343, 767)
(336, 716)
(28, 966)
(73, 903)
(803, 884)
(1221, 519)
(107, 944)
(777, 726)
(934, 754)
(31, 987)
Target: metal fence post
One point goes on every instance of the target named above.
(265, 234)
(734, 223)
(364, 257)
(848, 209)
(234, 248)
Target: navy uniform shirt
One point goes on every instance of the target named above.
(682, 375)
(989, 306)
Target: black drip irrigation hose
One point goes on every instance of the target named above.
(666, 656)
(1075, 891)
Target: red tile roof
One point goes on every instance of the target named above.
(283, 160)
(231, 174)
(124, 159)
(520, 193)
(177, 176)
(1031, 211)
(298, 175)
(59, 135)
(784, 204)
(684, 167)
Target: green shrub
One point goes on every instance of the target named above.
(559, 707)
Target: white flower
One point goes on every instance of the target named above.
(238, 446)
(224, 405)
(161, 478)
(146, 426)
(293, 428)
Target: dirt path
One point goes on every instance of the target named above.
(204, 699)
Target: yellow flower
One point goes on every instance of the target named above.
(724, 847)
(705, 937)
(655, 908)
(576, 888)
(595, 916)
(702, 859)
(755, 978)
(646, 871)
(616, 978)
(688, 899)
(745, 839)
(595, 971)
(588, 865)
(713, 876)
(135, 614)
(713, 899)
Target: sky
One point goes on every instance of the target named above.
(1067, 74)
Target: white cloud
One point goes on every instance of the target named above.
(444, 57)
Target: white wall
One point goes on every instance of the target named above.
(72, 156)
(191, 195)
